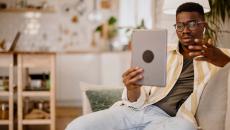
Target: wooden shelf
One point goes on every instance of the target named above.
(23, 10)
(7, 61)
(36, 122)
(4, 93)
(42, 61)
(33, 60)
(35, 93)
(27, 61)
(4, 122)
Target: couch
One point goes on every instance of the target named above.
(213, 112)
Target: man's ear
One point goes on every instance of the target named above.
(204, 31)
(205, 27)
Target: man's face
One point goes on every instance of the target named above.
(190, 26)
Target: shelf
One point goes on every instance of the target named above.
(7, 62)
(35, 93)
(4, 122)
(36, 122)
(23, 10)
(36, 60)
(4, 93)
(42, 61)
(6, 59)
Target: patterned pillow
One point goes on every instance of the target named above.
(103, 99)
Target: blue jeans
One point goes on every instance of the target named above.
(125, 118)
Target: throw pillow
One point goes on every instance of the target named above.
(103, 99)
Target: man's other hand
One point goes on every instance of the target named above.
(205, 51)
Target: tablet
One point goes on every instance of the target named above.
(149, 51)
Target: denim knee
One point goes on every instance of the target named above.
(78, 124)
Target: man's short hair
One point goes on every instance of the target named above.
(190, 7)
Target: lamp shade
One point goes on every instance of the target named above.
(170, 6)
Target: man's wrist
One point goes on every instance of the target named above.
(133, 94)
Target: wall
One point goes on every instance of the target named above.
(93, 68)
(113, 65)
(71, 70)
(164, 21)
(60, 30)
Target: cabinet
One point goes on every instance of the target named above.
(27, 63)
(6, 95)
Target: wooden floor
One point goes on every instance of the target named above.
(64, 115)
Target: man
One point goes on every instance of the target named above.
(172, 107)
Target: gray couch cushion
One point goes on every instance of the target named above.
(103, 99)
(211, 112)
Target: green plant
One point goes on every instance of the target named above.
(129, 31)
(141, 26)
(112, 29)
(220, 11)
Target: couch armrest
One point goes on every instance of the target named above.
(213, 109)
(227, 120)
(86, 108)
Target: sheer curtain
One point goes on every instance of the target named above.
(131, 13)
(144, 12)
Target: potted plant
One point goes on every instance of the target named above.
(220, 12)
(112, 28)
(108, 32)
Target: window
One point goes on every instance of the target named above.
(131, 13)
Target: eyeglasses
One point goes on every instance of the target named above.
(192, 25)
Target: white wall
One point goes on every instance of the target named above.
(94, 68)
(113, 65)
(165, 22)
(56, 30)
(71, 69)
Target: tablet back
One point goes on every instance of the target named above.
(149, 51)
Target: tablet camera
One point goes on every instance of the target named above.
(148, 56)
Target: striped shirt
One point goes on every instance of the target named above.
(152, 94)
